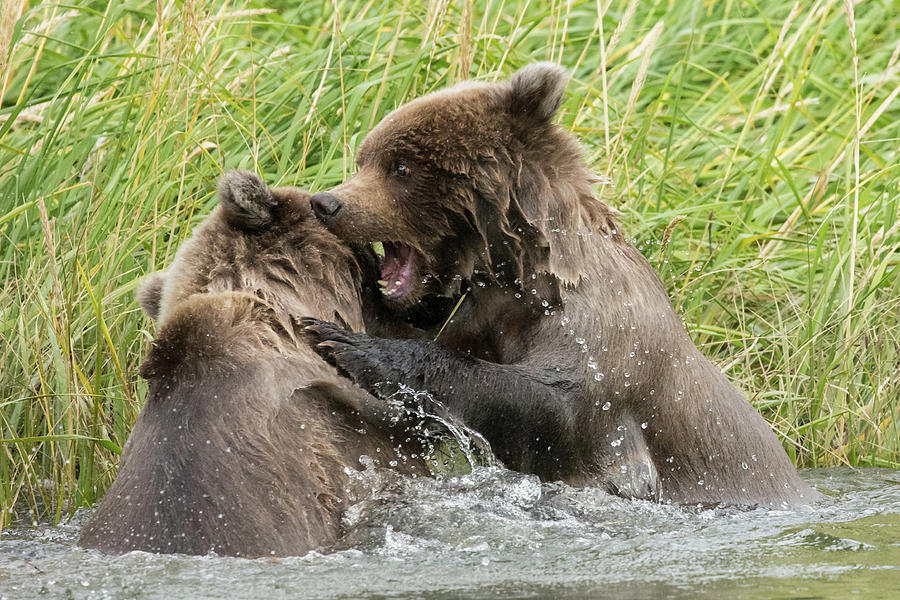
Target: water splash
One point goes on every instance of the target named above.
(494, 532)
(452, 447)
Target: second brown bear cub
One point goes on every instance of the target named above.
(247, 440)
(565, 352)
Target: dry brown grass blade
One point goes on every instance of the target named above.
(10, 13)
(667, 235)
(464, 66)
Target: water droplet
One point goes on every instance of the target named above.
(606, 406)
(644, 425)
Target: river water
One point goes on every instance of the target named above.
(499, 534)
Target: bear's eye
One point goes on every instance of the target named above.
(402, 170)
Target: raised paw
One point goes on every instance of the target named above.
(355, 355)
(317, 331)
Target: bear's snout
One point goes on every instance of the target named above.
(325, 205)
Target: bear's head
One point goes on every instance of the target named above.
(266, 243)
(475, 181)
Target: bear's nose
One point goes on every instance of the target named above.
(325, 205)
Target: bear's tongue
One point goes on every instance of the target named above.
(396, 270)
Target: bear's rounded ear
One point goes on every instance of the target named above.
(149, 294)
(537, 91)
(247, 201)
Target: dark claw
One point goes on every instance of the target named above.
(317, 331)
(330, 344)
(330, 351)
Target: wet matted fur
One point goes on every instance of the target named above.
(565, 352)
(245, 439)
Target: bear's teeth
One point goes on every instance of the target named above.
(384, 288)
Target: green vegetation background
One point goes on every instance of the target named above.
(752, 149)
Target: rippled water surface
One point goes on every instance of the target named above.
(496, 533)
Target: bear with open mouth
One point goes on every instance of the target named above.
(555, 337)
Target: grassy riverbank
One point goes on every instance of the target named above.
(752, 151)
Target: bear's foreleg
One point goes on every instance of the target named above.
(527, 417)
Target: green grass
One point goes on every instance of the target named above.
(752, 151)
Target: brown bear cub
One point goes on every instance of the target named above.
(563, 349)
(244, 443)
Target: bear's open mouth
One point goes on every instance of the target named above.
(397, 265)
